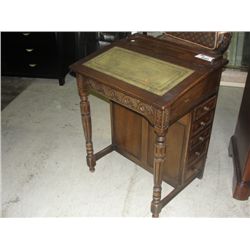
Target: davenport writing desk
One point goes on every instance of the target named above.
(162, 101)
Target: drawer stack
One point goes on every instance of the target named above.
(30, 52)
(37, 54)
(200, 134)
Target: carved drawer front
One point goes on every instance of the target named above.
(202, 123)
(200, 138)
(197, 152)
(204, 108)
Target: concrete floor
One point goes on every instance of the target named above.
(11, 87)
(44, 173)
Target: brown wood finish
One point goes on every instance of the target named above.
(239, 148)
(166, 135)
(159, 158)
(86, 121)
(139, 145)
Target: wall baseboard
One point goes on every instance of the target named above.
(232, 84)
(233, 78)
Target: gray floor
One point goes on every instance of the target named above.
(44, 172)
(11, 87)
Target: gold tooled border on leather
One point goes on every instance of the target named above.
(140, 70)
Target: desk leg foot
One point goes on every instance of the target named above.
(91, 162)
(92, 170)
(86, 122)
(155, 215)
(159, 159)
(155, 205)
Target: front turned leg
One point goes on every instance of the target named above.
(159, 158)
(86, 122)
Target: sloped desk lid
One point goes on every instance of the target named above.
(145, 72)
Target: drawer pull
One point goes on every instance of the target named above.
(32, 65)
(197, 153)
(203, 124)
(201, 138)
(29, 50)
(26, 33)
(206, 108)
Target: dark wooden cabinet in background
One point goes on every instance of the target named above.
(239, 148)
(37, 54)
(49, 54)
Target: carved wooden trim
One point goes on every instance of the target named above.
(157, 117)
(161, 121)
(81, 85)
(159, 159)
(86, 121)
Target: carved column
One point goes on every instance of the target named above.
(159, 159)
(86, 121)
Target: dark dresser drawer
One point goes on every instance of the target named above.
(201, 137)
(204, 108)
(202, 123)
(34, 66)
(194, 167)
(31, 49)
(197, 152)
(29, 38)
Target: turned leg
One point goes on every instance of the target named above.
(86, 122)
(159, 158)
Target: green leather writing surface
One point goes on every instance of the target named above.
(146, 72)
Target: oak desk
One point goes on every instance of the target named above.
(162, 101)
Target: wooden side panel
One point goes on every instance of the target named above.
(127, 130)
(134, 138)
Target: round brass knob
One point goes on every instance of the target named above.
(203, 124)
(206, 108)
(197, 153)
(201, 138)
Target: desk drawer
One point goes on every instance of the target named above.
(194, 96)
(197, 152)
(32, 67)
(21, 39)
(20, 51)
(194, 167)
(204, 108)
(200, 138)
(202, 123)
